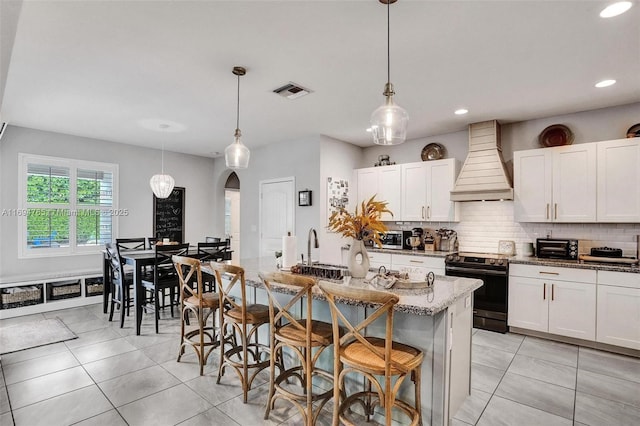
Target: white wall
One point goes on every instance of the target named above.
(587, 126)
(136, 166)
(337, 160)
(297, 158)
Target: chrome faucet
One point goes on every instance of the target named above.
(316, 245)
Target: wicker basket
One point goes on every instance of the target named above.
(13, 297)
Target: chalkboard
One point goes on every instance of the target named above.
(168, 216)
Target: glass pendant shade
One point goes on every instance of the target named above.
(237, 154)
(389, 124)
(162, 185)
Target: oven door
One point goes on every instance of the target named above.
(489, 301)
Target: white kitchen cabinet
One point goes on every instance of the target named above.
(560, 301)
(377, 260)
(385, 183)
(618, 181)
(618, 309)
(426, 263)
(426, 190)
(555, 184)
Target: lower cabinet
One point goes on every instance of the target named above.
(619, 309)
(377, 260)
(560, 301)
(426, 263)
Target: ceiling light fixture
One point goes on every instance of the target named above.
(461, 111)
(605, 83)
(236, 155)
(162, 185)
(615, 9)
(389, 122)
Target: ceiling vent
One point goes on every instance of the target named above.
(292, 91)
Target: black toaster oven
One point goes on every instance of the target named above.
(557, 248)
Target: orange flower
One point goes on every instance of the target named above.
(365, 226)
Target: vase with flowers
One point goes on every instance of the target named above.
(362, 226)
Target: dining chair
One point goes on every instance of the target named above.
(151, 243)
(164, 276)
(370, 357)
(130, 244)
(203, 305)
(120, 284)
(304, 340)
(247, 357)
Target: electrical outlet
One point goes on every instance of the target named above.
(549, 231)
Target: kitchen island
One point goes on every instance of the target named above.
(437, 320)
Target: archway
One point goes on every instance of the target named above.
(232, 213)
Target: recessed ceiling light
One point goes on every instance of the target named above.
(461, 111)
(605, 83)
(160, 125)
(615, 9)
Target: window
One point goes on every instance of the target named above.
(66, 206)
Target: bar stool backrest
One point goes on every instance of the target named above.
(189, 271)
(234, 275)
(384, 303)
(301, 286)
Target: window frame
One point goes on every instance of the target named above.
(74, 206)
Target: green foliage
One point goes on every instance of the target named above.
(45, 223)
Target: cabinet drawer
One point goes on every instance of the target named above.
(380, 258)
(553, 273)
(619, 279)
(417, 261)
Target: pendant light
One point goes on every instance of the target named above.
(162, 185)
(237, 154)
(389, 122)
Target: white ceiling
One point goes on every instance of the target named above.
(100, 68)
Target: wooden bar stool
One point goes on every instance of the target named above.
(300, 336)
(370, 357)
(247, 357)
(199, 303)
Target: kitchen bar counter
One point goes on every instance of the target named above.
(577, 264)
(438, 321)
(422, 301)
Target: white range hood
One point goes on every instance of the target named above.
(483, 176)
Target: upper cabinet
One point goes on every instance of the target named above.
(619, 180)
(555, 184)
(416, 192)
(384, 182)
(590, 182)
(425, 190)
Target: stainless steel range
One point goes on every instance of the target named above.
(490, 300)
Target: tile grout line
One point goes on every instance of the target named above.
(500, 381)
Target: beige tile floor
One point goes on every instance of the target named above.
(109, 376)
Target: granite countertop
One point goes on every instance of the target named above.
(577, 264)
(423, 301)
(425, 253)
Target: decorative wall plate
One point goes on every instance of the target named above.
(507, 247)
(634, 131)
(556, 135)
(433, 151)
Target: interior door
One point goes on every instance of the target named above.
(277, 212)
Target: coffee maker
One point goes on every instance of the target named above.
(413, 240)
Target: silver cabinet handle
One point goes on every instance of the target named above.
(416, 261)
(544, 292)
(423, 212)
(548, 273)
(428, 212)
(555, 211)
(553, 287)
(547, 210)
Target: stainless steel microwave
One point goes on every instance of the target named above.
(390, 240)
(557, 248)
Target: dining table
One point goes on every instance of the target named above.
(138, 260)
